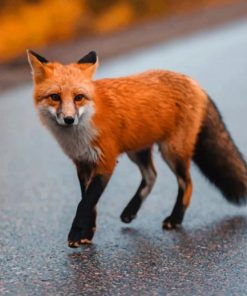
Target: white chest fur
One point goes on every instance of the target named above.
(76, 141)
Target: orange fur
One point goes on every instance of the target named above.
(132, 112)
(135, 112)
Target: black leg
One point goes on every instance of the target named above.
(143, 159)
(84, 224)
(130, 211)
(183, 198)
(177, 215)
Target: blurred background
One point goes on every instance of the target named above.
(66, 29)
(36, 23)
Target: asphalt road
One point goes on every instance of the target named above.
(40, 191)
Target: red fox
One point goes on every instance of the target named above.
(95, 121)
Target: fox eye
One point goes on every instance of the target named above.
(55, 97)
(79, 97)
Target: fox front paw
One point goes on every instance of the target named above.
(80, 236)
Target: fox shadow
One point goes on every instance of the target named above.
(217, 238)
(194, 252)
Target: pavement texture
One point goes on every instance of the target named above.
(39, 194)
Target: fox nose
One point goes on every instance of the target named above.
(69, 120)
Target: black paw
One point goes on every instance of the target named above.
(127, 217)
(79, 236)
(131, 210)
(171, 222)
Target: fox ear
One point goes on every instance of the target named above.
(37, 64)
(90, 58)
(89, 64)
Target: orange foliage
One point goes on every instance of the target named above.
(37, 24)
(117, 16)
(31, 24)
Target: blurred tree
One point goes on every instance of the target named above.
(32, 23)
(97, 7)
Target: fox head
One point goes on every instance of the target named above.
(63, 93)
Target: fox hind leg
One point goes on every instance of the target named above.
(143, 159)
(180, 166)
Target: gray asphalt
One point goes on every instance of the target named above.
(40, 191)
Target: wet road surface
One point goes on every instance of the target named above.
(39, 194)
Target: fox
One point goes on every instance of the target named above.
(95, 121)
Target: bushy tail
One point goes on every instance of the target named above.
(219, 159)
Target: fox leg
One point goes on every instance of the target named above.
(84, 223)
(180, 167)
(143, 159)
